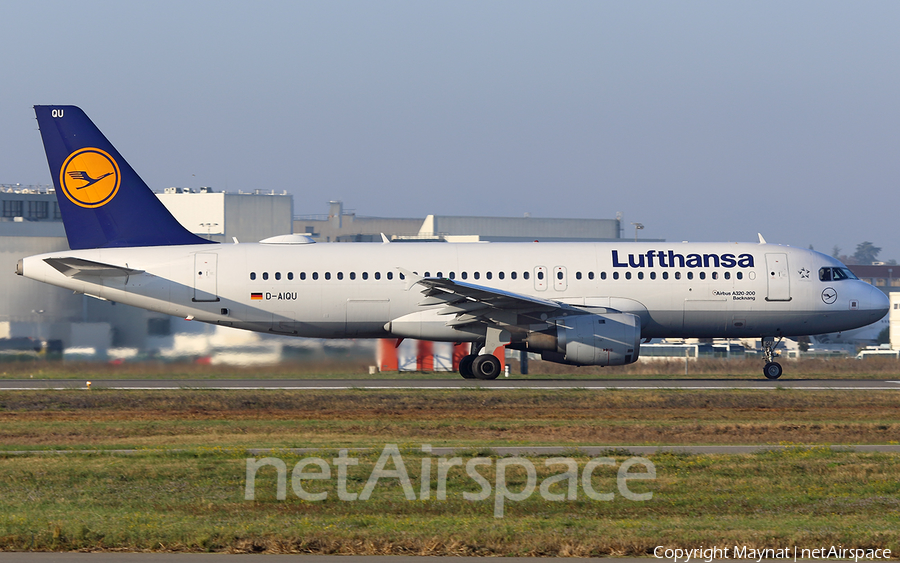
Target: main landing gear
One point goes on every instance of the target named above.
(772, 369)
(479, 366)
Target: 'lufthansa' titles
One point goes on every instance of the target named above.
(671, 259)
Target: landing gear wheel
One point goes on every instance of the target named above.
(486, 366)
(772, 370)
(465, 367)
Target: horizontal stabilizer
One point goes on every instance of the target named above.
(71, 267)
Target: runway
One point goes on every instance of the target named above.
(459, 383)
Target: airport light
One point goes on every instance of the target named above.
(637, 227)
(209, 227)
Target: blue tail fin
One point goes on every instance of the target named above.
(103, 202)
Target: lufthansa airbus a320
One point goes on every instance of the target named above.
(573, 303)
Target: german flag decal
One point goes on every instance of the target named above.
(256, 296)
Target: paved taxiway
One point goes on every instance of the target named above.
(503, 383)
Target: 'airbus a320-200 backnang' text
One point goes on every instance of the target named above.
(574, 303)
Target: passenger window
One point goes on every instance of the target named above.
(302, 275)
(476, 275)
(352, 275)
(487, 275)
(365, 275)
(627, 275)
(665, 275)
(500, 275)
(652, 275)
(577, 275)
(390, 275)
(439, 275)
(290, 275)
(739, 275)
(677, 275)
(402, 277)
(727, 275)
(265, 275)
(715, 275)
(559, 275)
(327, 275)
(277, 275)
(452, 275)
(315, 275)
(512, 275)
(377, 275)
(540, 275)
(427, 275)
(252, 275)
(702, 275)
(615, 275)
(525, 275)
(690, 275)
(590, 275)
(640, 275)
(602, 275)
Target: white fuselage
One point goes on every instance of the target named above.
(354, 290)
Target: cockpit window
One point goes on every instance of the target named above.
(836, 274)
(842, 274)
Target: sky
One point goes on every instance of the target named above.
(704, 121)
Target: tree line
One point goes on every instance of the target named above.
(866, 254)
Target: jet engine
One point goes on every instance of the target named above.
(609, 339)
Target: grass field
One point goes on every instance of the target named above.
(184, 487)
(838, 368)
(195, 502)
(463, 418)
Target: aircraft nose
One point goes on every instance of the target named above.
(875, 301)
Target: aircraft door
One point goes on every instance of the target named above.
(540, 278)
(205, 277)
(779, 288)
(559, 278)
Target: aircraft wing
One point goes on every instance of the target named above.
(475, 303)
(71, 267)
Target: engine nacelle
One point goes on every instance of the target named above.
(609, 339)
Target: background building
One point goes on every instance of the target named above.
(881, 275)
(31, 224)
(345, 226)
(220, 216)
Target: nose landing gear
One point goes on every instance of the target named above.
(772, 369)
